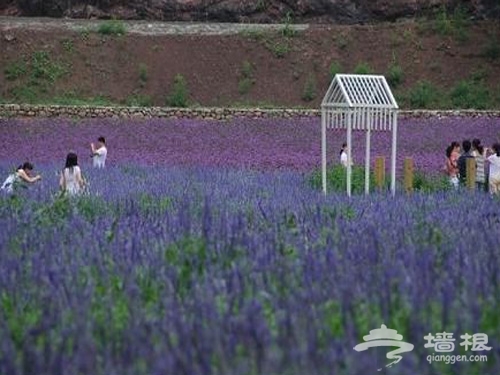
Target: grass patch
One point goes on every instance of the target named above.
(247, 79)
(179, 94)
(395, 75)
(335, 68)
(341, 40)
(279, 48)
(139, 100)
(336, 179)
(363, 68)
(43, 68)
(455, 24)
(288, 31)
(492, 49)
(112, 27)
(15, 70)
(72, 99)
(143, 74)
(471, 94)
(423, 95)
(68, 45)
(310, 88)
(34, 77)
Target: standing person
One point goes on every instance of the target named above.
(343, 155)
(22, 174)
(475, 145)
(99, 153)
(480, 167)
(455, 153)
(451, 167)
(494, 161)
(71, 179)
(462, 161)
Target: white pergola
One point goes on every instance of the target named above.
(359, 102)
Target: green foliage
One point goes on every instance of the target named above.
(189, 255)
(71, 98)
(261, 5)
(363, 68)
(341, 40)
(471, 94)
(395, 75)
(430, 184)
(335, 68)
(288, 31)
(149, 203)
(492, 49)
(139, 100)
(279, 48)
(455, 25)
(15, 70)
(43, 68)
(112, 27)
(143, 74)
(85, 33)
(423, 95)
(247, 79)
(36, 76)
(336, 179)
(26, 94)
(257, 35)
(68, 45)
(179, 93)
(310, 90)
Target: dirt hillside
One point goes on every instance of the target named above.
(136, 62)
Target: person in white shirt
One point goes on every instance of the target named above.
(71, 179)
(99, 153)
(494, 161)
(343, 155)
(22, 174)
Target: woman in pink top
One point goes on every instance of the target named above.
(451, 167)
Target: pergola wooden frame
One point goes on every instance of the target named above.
(359, 102)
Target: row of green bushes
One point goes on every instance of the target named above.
(336, 178)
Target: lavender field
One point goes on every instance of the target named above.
(227, 261)
(265, 144)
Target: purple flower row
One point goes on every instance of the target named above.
(269, 144)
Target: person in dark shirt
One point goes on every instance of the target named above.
(462, 161)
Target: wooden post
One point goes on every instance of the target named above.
(408, 175)
(380, 172)
(470, 173)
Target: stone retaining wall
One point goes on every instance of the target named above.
(25, 110)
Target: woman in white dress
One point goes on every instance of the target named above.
(71, 180)
(99, 153)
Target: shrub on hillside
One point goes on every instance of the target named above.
(470, 95)
(363, 68)
(423, 95)
(179, 93)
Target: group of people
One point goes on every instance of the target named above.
(71, 180)
(487, 161)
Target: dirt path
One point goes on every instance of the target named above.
(140, 27)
